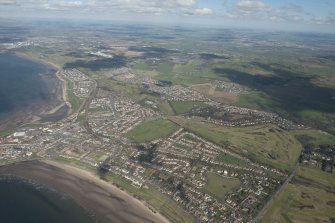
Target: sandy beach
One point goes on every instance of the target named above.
(107, 202)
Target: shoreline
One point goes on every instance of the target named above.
(64, 91)
(58, 75)
(35, 112)
(109, 203)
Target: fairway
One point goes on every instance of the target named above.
(304, 201)
(152, 129)
(265, 143)
(314, 137)
(219, 186)
(228, 159)
(165, 107)
(182, 107)
(73, 99)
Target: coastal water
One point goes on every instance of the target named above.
(24, 202)
(21, 83)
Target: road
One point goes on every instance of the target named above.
(275, 195)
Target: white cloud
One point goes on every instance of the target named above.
(249, 6)
(22, 3)
(262, 11)
(7, 2)
(247, 10)
(70, 3)
(286, 18)
(276, 18)
(292, 8)
(198, 11)
(324, 20)
(185, 2)
(203, 11)
(296, 18)
(156, 7)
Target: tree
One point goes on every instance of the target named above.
(301, 158)
(149, 155)
(140, 147)
(308, 148)
(324, 165)
(103, 169)
(181, 190)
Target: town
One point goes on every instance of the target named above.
(183, 166)
(197, 132)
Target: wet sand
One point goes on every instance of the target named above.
(53, 109)
(107, 202)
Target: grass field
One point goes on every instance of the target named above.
(11, 131)
(314, 137)
(193, 71)
(182, 107)
(73, 99)
(278, 84)
(254, 100)
(311, 114)
(306, 201)
(54, 57)
(165, 107)
(152, 129)
(228, 159)
(265, 143)
(6, 133)
(288, 91)
(133, 91)
(220, 186)
(322, 178)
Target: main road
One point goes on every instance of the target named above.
(275, 195)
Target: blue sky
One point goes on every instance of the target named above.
(308, 15)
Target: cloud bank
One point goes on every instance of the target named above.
(255, 10)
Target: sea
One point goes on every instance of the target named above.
(28, 89)
(22, 201)
(21, 83)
